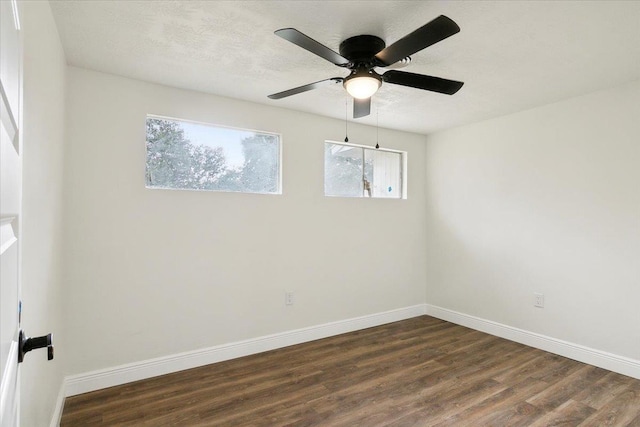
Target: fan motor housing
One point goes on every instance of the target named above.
(361, 49)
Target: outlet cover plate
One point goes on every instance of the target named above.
(539, 300)
(288, 298)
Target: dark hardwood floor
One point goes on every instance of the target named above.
(418, 372)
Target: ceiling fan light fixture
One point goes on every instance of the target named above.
(362, 84)
(363, 54)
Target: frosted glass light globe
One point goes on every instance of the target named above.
(362, 86)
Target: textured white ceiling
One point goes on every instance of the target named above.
(511, 55)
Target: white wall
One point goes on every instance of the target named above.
(44, 119)
(151, 273)
(548, 201)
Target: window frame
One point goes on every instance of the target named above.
(215, 125)
(403, 169)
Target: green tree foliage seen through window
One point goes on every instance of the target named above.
(173, 161)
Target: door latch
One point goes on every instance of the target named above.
(26, 344)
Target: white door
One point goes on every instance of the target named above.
(10, 205)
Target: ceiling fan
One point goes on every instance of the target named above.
(361, 54)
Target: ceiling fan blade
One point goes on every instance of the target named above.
(306, 88)
(420, 81)
(430, 33)
(361, 107)
(306, 42)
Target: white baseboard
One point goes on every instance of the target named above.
(611, 362)
(95, 380)
(57, 412)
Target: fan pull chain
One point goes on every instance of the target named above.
(346, 137)
(377, 128)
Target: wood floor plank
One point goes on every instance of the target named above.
(488, 407)
(570, 413)
(561, 391)
(419, 372)
(623, 410)
(540, 361)
(604, 390)
(429, 407)
(520, 414)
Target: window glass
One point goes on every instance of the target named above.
(193, 156)
(343, 170)
(383, 173)
(354, 171)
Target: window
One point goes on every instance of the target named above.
(356, 171)
(193, 156)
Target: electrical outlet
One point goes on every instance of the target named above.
(539, 300)
(288, 298)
